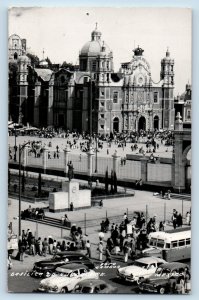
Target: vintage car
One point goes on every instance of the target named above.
(94, 286)
(45, 268)
(165, 278)
(140, 269)
(65, 278)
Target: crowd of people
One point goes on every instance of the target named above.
(84, 141)
(128, 238)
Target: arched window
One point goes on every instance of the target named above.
(15, 55)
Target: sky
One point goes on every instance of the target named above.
(62, 32)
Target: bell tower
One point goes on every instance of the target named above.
(167, 77)
(167, 70)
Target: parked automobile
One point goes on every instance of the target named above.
(45, 268)
(140, 269)
(94, 286)
(66, 277)
(165, 278)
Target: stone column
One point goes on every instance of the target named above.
(115, 160)
(179, 163)
(90, 163)
(66, 160)
(45, 158)
(144, 161)
(25, 157)
(178, 123)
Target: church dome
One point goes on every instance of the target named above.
(167, 57)
(43, 63)
(96, 46)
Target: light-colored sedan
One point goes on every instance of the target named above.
(140, 269)
(65, 278)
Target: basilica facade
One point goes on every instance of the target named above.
(92, 98)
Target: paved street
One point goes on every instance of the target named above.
(112, 207)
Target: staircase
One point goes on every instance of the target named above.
(50, 222)
(89, 223)
(186, 197)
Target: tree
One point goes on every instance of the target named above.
(69, 66)
(106, 181)
(49, 62)
(115, 183)
(39, 184)
(34, 59)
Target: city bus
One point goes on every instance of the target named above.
(173, 245)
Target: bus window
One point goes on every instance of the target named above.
(152, 242)
(181, 243)
(188, 241)
(174, 244)
(168, 246)
(160, 243)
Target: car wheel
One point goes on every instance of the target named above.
(162, 290)
(64, 290)
(47, 274)
(139, 280)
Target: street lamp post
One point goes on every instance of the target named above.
(20, 150)
(15, 155)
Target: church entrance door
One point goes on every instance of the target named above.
(116, 124)
(142, 123)
(156, 122)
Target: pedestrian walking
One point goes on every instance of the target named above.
(38, 246)
(180, 286)
(83, 241)
(174, 219)
(179, 220)
(161, 226)
(100, 249)
(187, 281)
(32, 246)
(21, 249)
(108, 255)
(126, 251)
(88, 249)
(50, 244)
(45, 246)
(188, 218)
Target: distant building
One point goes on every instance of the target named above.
(92, 98)
(183, 104)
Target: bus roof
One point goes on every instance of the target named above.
(170, 236)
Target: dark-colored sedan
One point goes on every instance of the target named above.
(165, 278)
(94, 286)
(45, 268)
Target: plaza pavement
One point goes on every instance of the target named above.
(61, 142)
(113, 207)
